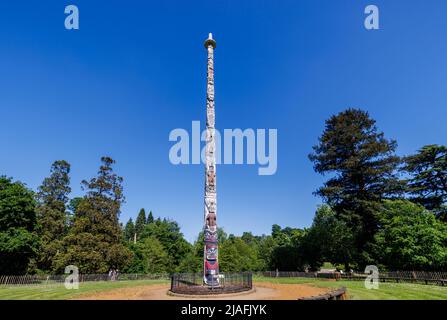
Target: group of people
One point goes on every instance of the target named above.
(113, 275)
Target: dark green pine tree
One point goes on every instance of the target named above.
(129, 230)
(150, 218)
(72, 207)
(140, 223)
(94, 243)
(362, 166)
(428, 178)
(74, 204)
(18, 238)
(52, 215)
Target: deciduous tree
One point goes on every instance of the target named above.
(18, 239)
(410, 238)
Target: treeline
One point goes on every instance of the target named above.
(45, 231)
(378, 209)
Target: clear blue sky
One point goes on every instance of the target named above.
(136, 70)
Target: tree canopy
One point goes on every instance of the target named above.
(410, 238)
(140, 223)
(363, 166)
(428, 178)
(19, 242)
(377, 209)
(94, 241)
(51, 212)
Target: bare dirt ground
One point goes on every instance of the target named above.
(263, 291)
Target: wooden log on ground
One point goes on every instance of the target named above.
(339, 294)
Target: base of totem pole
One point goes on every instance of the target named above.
(192, 284)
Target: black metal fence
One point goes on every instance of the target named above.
(227, 280)
(423, 277)
(192, 283)
(48, 280)
(297, 274)
(286, 274)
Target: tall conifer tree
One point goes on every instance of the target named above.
(140, 223)
(362, 168)
(94, 243)
(428, 178)
(52, 216)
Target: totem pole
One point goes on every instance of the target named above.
(210, 258)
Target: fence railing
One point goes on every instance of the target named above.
(425, 277)
(192, 283)
(296, 274)
(286, 274)
(48, 280)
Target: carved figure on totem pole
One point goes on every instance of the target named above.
(210, 250)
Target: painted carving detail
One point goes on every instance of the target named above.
(211, 263)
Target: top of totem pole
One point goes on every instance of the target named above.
(210, 41)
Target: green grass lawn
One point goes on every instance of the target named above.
(386, 291)
(58, 292)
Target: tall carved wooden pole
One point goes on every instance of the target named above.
(210, 259)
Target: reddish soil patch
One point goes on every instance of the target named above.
(263, 291)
